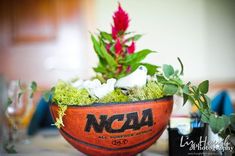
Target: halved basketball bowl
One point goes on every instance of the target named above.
(110, 129)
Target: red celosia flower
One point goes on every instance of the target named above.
(108, 46)
(131, 48)
(128, 70)
(119, 69)
(118, 47)
(114, 32)
(121, 20)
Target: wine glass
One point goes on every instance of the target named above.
(20, 110)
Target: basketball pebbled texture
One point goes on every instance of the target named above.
(121, 129)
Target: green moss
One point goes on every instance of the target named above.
(152, 90)
(65, 94)
(115, 96)
(61, 114)
(69, 95)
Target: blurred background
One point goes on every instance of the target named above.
(47, 40)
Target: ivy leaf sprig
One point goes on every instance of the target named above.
(173, 84)
(197, 95)
(171, 80)
(222, 125)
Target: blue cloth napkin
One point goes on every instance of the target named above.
(41, 118)
(222, 104)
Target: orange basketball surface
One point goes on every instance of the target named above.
(115, 128)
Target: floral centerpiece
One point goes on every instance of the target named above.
(127, 105)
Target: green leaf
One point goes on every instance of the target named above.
(208, 100)
(203, 87)
(205, 101)
(100, 69)
(112, 49)
(215, 123)
(111, 61)
(168, 70)
(181, 65)
(96, 46)
(218, 123)
(170, 89)
(196, 91)
(9, 148)
(106, 36)
(136, 57)
(186, 89)
(185, 98)
(176, 81)
(226, 120)
(176, 72)
(19, 95)
(161, 79)
(152, 69)
(232, 120)
(102, 53)
(204, 118)
(33, 87)
(134, 38)
(100, 78)
(9, 101)
(191, 99)
(46, 96)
